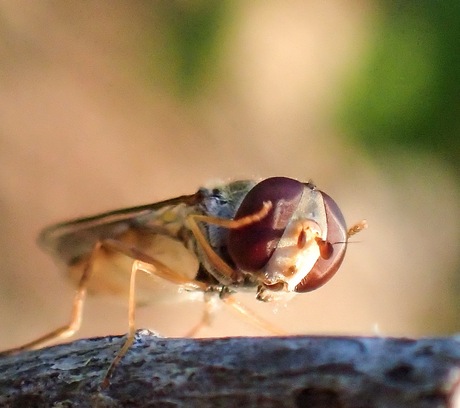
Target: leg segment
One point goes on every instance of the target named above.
(226, 272)
(250, 316)
(74, 324)
(206, 316)
(137, 266)
(144, 263)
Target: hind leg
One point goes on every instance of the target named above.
(74, 323)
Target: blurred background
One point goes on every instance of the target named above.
(110, 104)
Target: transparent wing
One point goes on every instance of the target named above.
(71, 240)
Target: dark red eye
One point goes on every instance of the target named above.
(252, 246)
(332, 250)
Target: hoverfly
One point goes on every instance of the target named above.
(273, 237)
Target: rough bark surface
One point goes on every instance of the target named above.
(240, 372)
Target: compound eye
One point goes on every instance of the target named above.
(332, 249)
(251, 247)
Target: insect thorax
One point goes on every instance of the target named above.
(219, 202)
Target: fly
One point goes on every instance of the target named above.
(276, 237)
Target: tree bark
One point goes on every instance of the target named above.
(302, 371)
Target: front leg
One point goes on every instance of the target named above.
(224, 273)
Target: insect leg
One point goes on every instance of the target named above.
(226, 271)
(250, 316)
(144, 263)
(74, 324)
(206, 316)
(136, 266)
(159, 268)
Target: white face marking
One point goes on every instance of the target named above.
(289, 263)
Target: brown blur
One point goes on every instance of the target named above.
(85, 127)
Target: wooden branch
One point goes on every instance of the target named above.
(238, 372)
